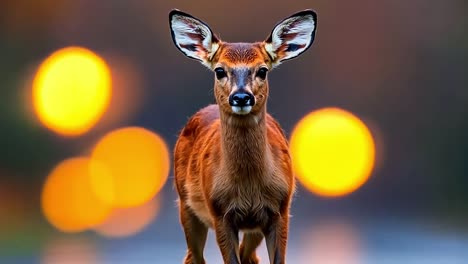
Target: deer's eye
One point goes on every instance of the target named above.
(262, 72)
(220, 73)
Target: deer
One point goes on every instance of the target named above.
(232, 166)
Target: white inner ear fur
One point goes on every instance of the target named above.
(302, 25)
(182, 27)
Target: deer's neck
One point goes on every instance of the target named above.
(244, 144)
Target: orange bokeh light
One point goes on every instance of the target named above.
(130, 166)
(68, 200)
(331, 242)
(71, 251)
(124, 222)
(333, 152)
(71, 90)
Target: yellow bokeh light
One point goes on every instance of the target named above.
(333, 152)
(71, 90)
(124, 222)
(68, 200)
(130, 166)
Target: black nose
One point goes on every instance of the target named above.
(241, 99)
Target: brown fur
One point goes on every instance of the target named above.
(234, 54)
(240, 53)
(233, 173)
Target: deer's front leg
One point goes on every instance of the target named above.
(227, 237)
(276, 237)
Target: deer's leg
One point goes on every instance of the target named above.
(227, 237)
(276, 237)
(195, 235)
(249, 244)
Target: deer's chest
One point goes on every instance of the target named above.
(249, 204)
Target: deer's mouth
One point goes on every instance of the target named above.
(241, 110)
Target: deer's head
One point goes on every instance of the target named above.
(241, 79)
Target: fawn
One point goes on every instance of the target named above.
(232, 165)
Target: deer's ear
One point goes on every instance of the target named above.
(193, 37)
(291, 37)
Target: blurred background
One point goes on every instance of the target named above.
(94, 94)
